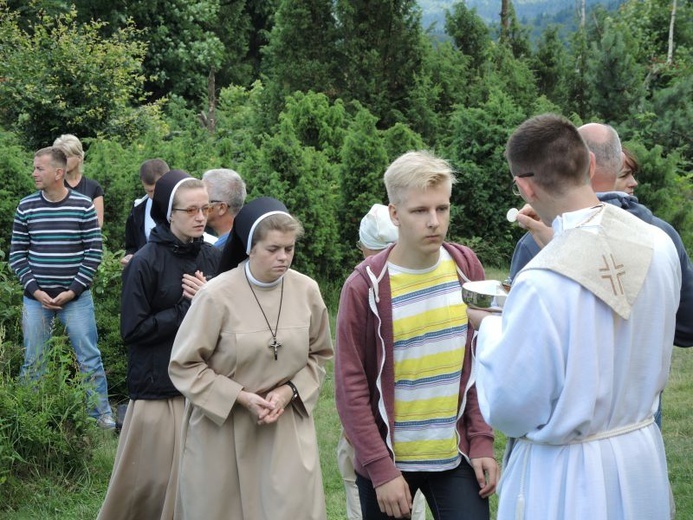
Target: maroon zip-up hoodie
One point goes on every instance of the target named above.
(364, 370)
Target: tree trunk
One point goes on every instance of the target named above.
(670, 52)
(505, 21)
(212, 102)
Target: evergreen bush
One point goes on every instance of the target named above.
(11, 317)
(116, 168)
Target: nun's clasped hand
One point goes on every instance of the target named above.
(269, 409)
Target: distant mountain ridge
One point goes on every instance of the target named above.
(489, 10)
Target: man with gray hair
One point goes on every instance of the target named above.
(604, 143)
(227, 194)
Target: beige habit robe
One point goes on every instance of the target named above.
(231, 467)
(144, 481)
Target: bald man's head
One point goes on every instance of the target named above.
(604, 143)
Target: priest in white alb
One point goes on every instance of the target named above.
(572, 369)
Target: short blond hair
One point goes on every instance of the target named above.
(418, 170)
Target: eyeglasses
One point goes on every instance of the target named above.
(214, 202)
(192, 211)
(515, 188)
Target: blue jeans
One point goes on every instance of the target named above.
(80, 323)
(451, 494)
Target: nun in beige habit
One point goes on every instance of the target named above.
(249, 359)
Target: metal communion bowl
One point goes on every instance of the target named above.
(484, 294)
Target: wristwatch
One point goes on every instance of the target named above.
(293, 389)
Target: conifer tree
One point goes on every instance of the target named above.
(364, 160)
(550, 64)
(317, 122)
(575, 78)
(301, 53)
(469, 32)
(615, 81)
(306, 182)
(382, 53)
(481, 197)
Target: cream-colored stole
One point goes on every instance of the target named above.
(612, 263)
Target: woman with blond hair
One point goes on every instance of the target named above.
(74, 178)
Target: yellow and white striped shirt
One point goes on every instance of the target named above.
(429, 321)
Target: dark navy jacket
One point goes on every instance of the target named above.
(135, 239)
(153, 307)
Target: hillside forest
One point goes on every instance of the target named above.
(310, 100)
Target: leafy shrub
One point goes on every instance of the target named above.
(10, 319)
(106, 292)
(15, 172)
(44, 427)
(61, 76)
(117, 170)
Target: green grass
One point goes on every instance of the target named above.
(81, 499)
(677, 427)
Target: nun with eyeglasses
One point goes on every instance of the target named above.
(249, 358)
(159, 284)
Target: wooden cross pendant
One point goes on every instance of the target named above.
(274, 344)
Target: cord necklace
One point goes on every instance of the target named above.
(274, 344)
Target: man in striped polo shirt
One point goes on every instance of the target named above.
(55, 251)
(404, 387)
